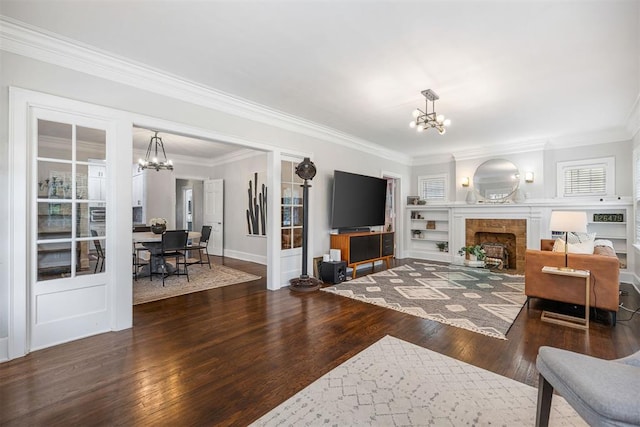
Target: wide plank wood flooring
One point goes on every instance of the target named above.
(227, 356)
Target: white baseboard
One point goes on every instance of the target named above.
(628, 277)
(244, 256)
(4, 349)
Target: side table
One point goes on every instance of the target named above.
(564, 319)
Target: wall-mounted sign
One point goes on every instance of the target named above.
(608, 217)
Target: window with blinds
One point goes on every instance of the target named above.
(433, 187)
(592, 177)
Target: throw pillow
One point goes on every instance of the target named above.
(602, 242)
(558, 245)
(581, 248)
(573, 238)
(604, 250)
(575, 248)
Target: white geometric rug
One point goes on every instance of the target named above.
(475, 299)
(396, 383)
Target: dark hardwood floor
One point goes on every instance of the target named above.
(227, 356)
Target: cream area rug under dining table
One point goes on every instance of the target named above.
(200, 278)
(396, 383)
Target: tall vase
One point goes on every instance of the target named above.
(471, 197)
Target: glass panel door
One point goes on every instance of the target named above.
(70, 202)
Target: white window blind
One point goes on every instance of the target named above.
(433, 187)
(589, 180)
(592, 177)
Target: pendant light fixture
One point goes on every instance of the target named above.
(151, 160)
(424, 120)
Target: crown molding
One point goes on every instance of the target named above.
(432, 159)
(633, 122)
(604, 136)
(501, 150)
(23, 39)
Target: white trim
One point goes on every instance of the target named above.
(514, 147)
(118, 285)
(4, 349)
(33, 42)
(245, 256)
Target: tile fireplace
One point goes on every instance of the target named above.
(510, 232)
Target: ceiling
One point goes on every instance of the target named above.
(507, 73)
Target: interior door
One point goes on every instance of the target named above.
(214, 214)
(69, 296)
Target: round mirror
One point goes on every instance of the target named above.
(496, 180)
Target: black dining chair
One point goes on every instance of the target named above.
(201, 246)
(139, 250)
(99, 253)
(173, 244)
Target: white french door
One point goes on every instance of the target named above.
(69, 261)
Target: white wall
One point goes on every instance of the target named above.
(237, 242)
(43, 77)
(542, 163)
(623, 161)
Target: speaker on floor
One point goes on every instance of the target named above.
(333, 271)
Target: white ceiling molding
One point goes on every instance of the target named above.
(235, 157)
(432, 159)
(591, 138)
(515, 147)
(32, 42)
(633, 123)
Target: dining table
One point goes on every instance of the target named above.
(153, 243)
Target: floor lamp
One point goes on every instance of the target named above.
(568, 221)
(305, 170)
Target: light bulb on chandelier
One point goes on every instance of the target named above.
(425, 119)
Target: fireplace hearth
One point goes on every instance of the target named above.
(512, 233)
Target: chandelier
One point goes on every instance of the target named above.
(153, 162)
(425, 119)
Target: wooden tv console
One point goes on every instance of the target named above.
(363, 248)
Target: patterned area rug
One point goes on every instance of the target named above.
(470, 298)
(200, 278)
(396, 383)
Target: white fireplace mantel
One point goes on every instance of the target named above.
(537, 215)
(534, 215)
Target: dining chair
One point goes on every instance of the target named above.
(99, 252)
(201, 246)
(173, 246)
(139, 250)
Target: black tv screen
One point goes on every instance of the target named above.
(358, 200)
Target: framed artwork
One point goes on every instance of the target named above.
(412, 200)
(257, 205)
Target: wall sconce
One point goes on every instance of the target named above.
(528, 177)
(465, 181)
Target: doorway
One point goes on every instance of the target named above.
(391, 208)
(189, 204)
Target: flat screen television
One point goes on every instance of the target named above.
(358, 201)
